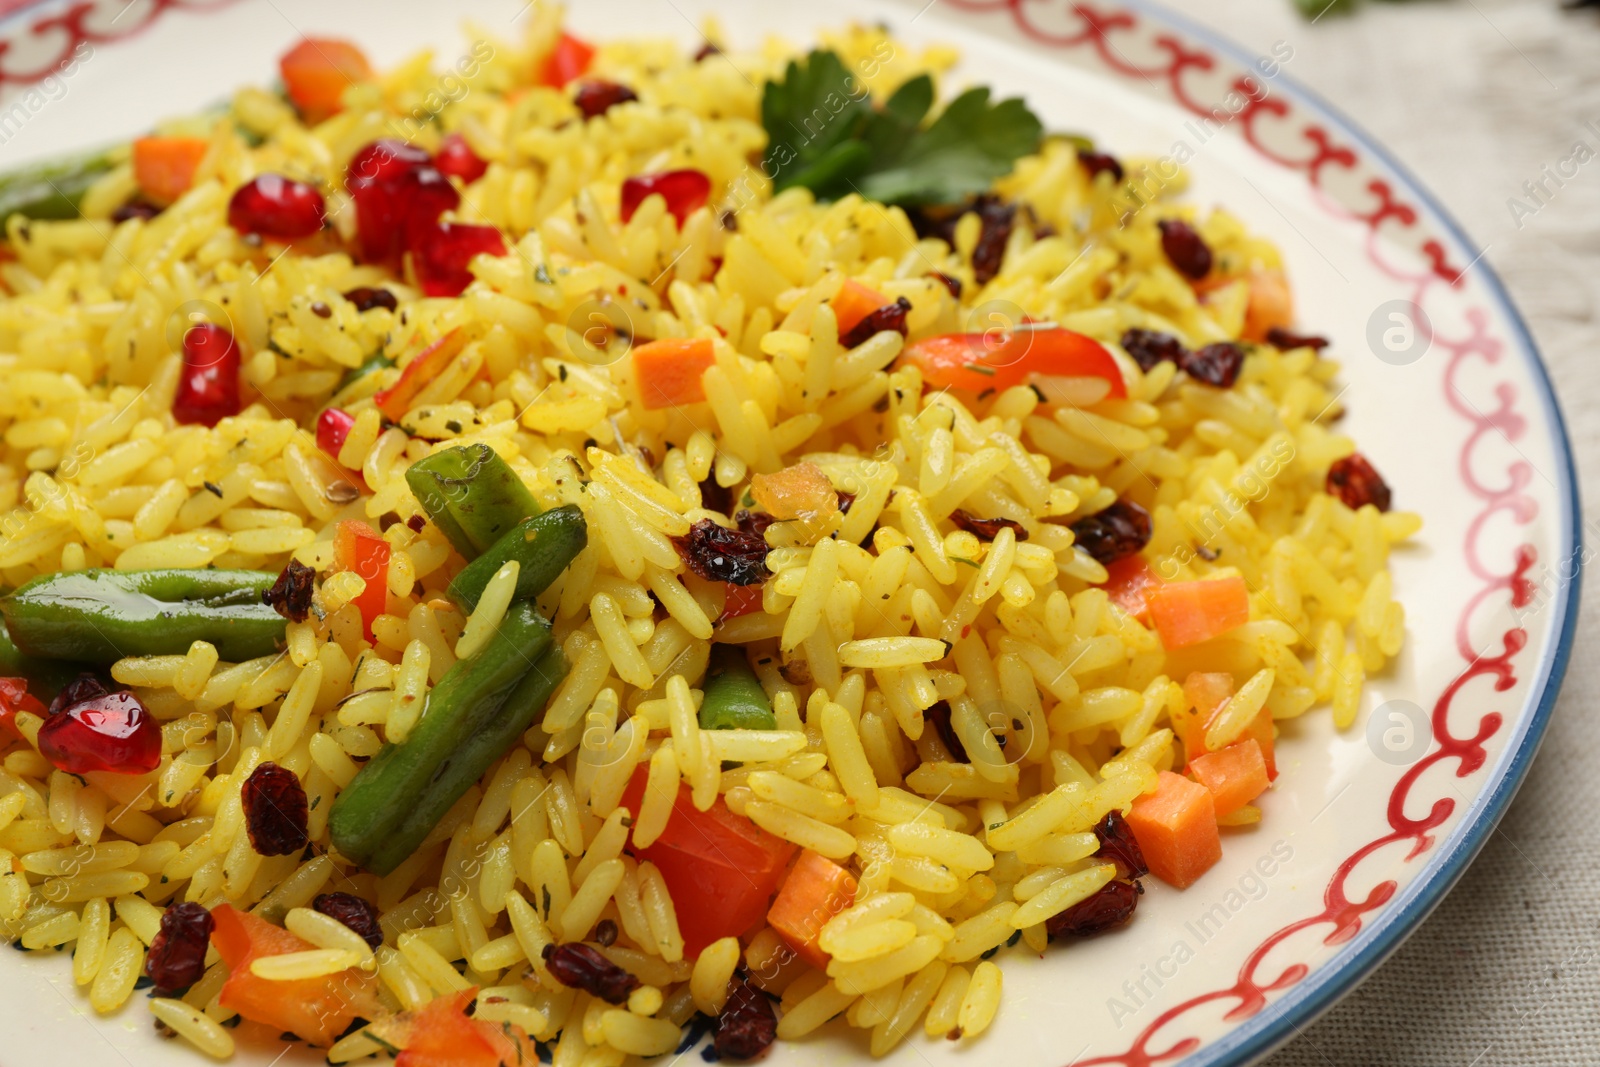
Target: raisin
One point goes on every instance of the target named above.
(355, 913)
(714, 497)
(275, 810)
(1118, 845)
(747, 1026)
(582, 967)
(1356, 482)
(986, 529)
(998, 219)
(366, 298)
(952, 284)
(939, 715)
(597, 97)
(938, 222)
(889, 317)
(718, 554)
(1107, 909)
(85, 686)
(135, 209)
(1278, 337)
(1149, 347)
(1216, 364)
(1097, 162)
(290, 595)
(845, 500)
(1185, 248)
(707, 50)
(755, 522)
(177, 956)
(1120, 530)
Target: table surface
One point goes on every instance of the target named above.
(1476, 97)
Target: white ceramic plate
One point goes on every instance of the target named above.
(1366, 830)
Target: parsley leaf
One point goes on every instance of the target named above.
(825, 134)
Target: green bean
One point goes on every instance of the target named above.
(471, 494)
(54, 189)
(734, 699)
(542, 547)
(46, 677)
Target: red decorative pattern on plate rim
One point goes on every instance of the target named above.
(80, 23)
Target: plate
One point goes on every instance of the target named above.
(1367, 829)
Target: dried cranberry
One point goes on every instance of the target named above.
(365, 298)
(582, 967)
(457, 159)
(754, 522)
(290, 595)
(1118, 531)
(1278, 337)
(1107, 909)
(1149, 347)
(276, 207)
(373, 179)
(719, 554)
(444, 252)
(889, 317)
(354, 912)
(951, 284)
(747, 1026)
(597, 97)
(986, 529)
(1217, 364)
(707, 50)
(939, 716)
(1355, 481)
(85, 686)
(111, 732)
(1118, 844)
(177, 956)
(1098, 162)
(275, 810)
(208, 387)
(135, 209)
(998, 220)
(1186, 249)
(685, 191)
(714, 497)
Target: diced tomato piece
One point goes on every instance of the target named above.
(317, 1009)
(14, 697)
(816, 890)
(981, 362)
(721, 868)
(318, 70)
(1129, 585)
(568, 60)
(668, 371)
(358, 547)
(1187, 613)
(854, 303)
(1236, 775)
(1270, 305)
(1176, 827)
(441, 1035)
(427, 365)
(742, 600)
(164, 166)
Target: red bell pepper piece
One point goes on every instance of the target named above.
(357, 547)
(428, 364)
(1129, 585)
(741, 600)
(980, 362)
(441, 1035)
(568, 60)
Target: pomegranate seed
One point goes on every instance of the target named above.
(112, 733)
(1186, 249)
(457, 159)
(178, 953)
(1355, 481)
(208, 390)
(276, 207)
(333, 426)
(441, 255)
(372, 177)
(421, 197)
(597, 97)
(684, 190)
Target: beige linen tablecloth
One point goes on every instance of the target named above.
(1476, 97)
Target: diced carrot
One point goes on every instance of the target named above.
(441, 1035)
(741, 600)
(1236, 775)
(1207, 694)
(317, 1009)
(1176, 827)
(669, 371)
(428, 364)
(816, 890)
(1186, 613)
(358, 547)
(1271, 304)
(1129, 585)
(318, 70)
(164, 166)
(854, 303)
(567, 60)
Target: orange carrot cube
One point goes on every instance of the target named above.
(1236, 775)
(815, 891)
(1187, 613)
(1176, 827)
(669, 371)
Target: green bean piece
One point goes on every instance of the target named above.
(54, 189)
(734, 699)
(375, 362)
(395, 801)
(542, 547)
(471, 494)
(100, 616)
(46, 677)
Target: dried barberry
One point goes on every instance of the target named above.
(1355, 481)
(951, 284)
(1150, 347)
(986, 529)
(275, 810)
(135, 209)
(1278, 337)
(1118, 845)
(1185, 248)
(747, 1026)
(1217, 364)
(1110, 907)
(754, 522)
(85, 686)
(1097, 162)
(714, 497)
(177, 955)
(889, 317)
(939, 716)
(290, 595)
(354, 912)
(416, 522)
(366, 298)
(998, 219)
(582, 967)
(597, 97)
(719, 554)
(1120, 530)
